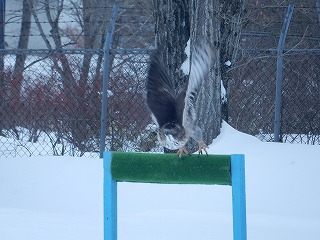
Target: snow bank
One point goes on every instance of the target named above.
(61, 198)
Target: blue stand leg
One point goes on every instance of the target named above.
(110, 200)
(238, 197)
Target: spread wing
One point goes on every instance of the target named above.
(200, 64)
(160, 93)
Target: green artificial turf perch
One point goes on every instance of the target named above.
(170, 169)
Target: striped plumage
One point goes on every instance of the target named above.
(174, 113)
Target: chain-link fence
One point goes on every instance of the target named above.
(53, 105)
(129, 126)
(252, 90)
(252, 96)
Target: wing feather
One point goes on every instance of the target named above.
(200, 64)
(160, 93)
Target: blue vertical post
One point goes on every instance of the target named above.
(278, 101)
(110, 200)
(238, 197)
(106, 71)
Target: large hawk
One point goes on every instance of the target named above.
(173, 111)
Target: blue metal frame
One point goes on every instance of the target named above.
(110, 200)
(238, 198)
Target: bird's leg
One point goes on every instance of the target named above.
(183, 150)
(202, 146)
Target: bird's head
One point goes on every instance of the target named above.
(172, 136)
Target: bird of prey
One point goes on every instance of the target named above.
(173, 111)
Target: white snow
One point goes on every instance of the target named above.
(62, 198)
(223, 93)
(228, 63)
(185, 66)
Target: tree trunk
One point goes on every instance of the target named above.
(68, 80)
(23, 44)
(17, 76)
(2, 74)
(172, 34)
(94, 34)
(218, 24)
(230, 29)
(205, 27)
(173, 29)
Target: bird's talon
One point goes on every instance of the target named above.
(202, 146)
(183, 150)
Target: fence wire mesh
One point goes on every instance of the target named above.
(52, 106)
(252, 97)
(129, 124)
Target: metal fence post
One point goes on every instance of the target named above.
(278, 101)
(105, 79)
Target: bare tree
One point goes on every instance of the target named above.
(232, 15)
(22, 44)
(318, 10)
(172, 31)
(2, 76)
(172, 34)
(10, 93)
(205, 26)
(214, 22)
(77, 88)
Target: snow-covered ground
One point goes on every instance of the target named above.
(62, 198)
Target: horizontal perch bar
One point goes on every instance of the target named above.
(170, 169)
